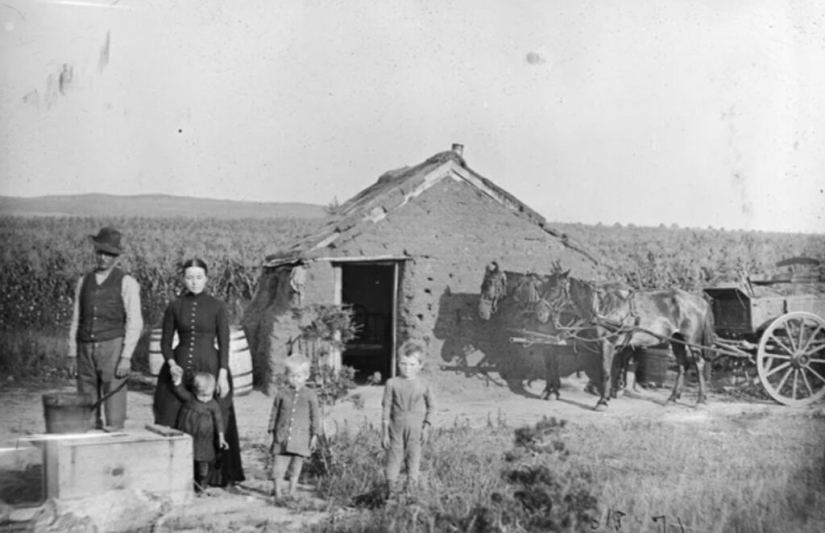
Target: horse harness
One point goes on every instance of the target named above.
(526, 294)
(624, 326)
(498, 282)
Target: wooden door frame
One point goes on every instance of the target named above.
(337, 272)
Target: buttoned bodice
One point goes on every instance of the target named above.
(199, 320)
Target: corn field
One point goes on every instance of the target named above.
(691, 259)
(42, 258)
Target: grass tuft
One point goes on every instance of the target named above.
(753, 474)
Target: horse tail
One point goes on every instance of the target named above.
(708, 335)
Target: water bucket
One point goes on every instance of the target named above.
(240, 360)
(68, 412)
(653, 365)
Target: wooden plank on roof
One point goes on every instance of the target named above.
(499, 197)
(348, 222)
(427, 181)
(363, 259)
(326, 242)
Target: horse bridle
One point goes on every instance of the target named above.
(595, 319)
(556, 306)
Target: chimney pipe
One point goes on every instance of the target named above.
(458, 148)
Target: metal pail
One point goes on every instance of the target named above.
(68, 412)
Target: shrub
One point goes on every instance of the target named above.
(468, 484)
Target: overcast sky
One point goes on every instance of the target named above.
(694, 112)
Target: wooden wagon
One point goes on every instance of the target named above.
(778, 325)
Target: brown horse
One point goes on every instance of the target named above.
(517, 301)
(622, 318)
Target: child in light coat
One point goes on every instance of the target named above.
(293, 425)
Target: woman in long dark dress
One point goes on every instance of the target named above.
(199, 320)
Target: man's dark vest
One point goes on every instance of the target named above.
(102, 316)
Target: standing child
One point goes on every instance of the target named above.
(293, 425)
(200, 417)
(408, 406)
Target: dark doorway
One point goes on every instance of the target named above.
(369, 288)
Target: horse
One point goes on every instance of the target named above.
(517, 300)
(623, 318)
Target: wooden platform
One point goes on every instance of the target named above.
(157, 460)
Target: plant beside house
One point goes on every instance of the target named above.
(324, 331)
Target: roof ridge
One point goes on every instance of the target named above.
(395, 188)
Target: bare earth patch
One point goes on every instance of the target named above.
(472, 401)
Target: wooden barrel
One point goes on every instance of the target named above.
(155, 356)
(240, 360)
(653, 365)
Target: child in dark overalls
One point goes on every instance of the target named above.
(293, 424)
(408, 406)
(200, 417)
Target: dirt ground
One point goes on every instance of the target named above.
(476, 401)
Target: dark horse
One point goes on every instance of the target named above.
(623, 318)
(517, 301)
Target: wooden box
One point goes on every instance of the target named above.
(158, 461)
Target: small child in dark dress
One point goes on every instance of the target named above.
(293, 425)
(201, 418)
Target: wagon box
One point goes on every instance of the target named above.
(739, 314)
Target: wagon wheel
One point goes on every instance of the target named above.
(791, 359)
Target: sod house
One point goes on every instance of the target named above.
(408, 254)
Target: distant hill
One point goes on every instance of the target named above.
(154, 206)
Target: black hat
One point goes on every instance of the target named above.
(107, 240)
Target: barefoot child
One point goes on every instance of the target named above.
(200, 417)
(408, 405)
(294, 424)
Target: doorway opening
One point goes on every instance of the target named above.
(370, 289)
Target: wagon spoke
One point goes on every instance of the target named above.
(793, 387)
(790, 329)
(807, 383)
(817, 374)
(781, 357)
(782, 344)
(783, 380)
(811, 339)
(813, 348)
(801, 336)
(776, 369)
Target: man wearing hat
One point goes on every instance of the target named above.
(105, 329)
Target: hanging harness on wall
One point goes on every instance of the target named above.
(493, 289)
(297, 280)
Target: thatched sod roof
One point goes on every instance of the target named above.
(395, 189)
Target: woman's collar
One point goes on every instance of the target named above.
(190, 294)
